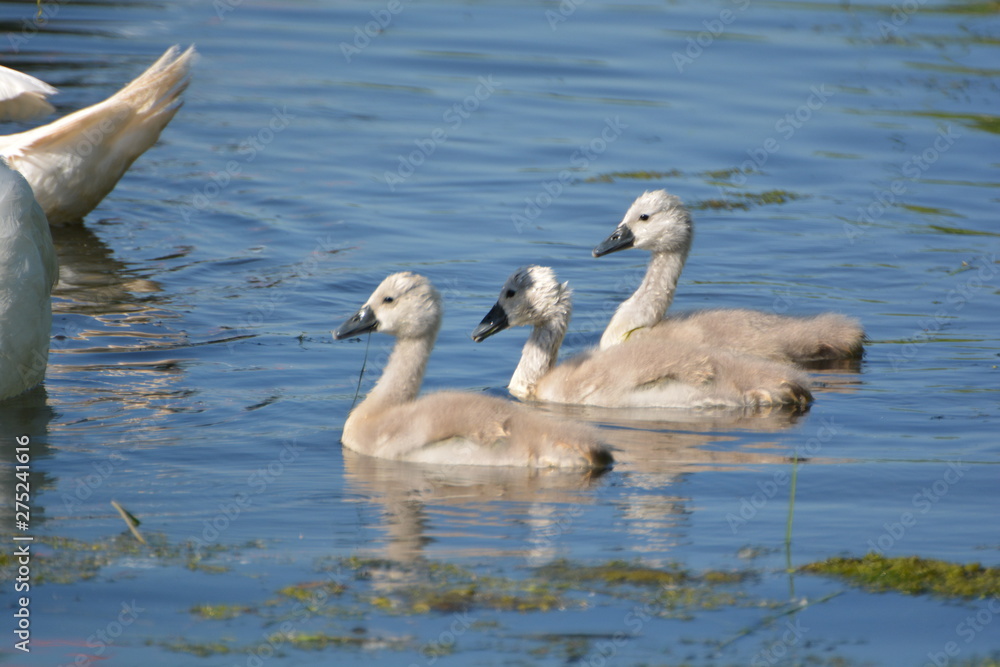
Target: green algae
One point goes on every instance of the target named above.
(992, 661)
(312, 590)
(318, 641)
(912, 575)
(722, 174)
(220, 612)
(445, 588)
(618, 572)
(304, 641)
(961, 231)
(357, 563)
(746, 200)
(531, 597)
(359, 589)
(614, 572)
(675, 592)
(489, 593)
(435, 650)
(639, 175)
(62, 560)
(722, 177)
(199, 649)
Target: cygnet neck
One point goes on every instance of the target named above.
(650, 302)
(403, 374)
(540, 352)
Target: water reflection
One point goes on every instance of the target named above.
(28, 414)
(710, 420)
(111, 313)
(114, 366)
(419, 504)
(93, 281)
(417, 500)
(112, 326)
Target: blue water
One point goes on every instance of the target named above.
(193, 378)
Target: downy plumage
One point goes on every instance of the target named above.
(639, 373)
(660, 223)
(447, 427)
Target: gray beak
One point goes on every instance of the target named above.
(495, 320)
(360, 322)
(621, 239)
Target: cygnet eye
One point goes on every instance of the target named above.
(644, 216)
(388, 299)
(510, 294)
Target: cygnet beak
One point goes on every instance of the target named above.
(495, 320)
(360, 322)
(621, 239)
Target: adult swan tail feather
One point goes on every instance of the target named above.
(74, 162)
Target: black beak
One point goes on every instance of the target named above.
(621, 239)
(495, 320)
(360, 322)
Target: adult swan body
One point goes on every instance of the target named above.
(28, 271)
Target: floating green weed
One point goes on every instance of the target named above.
(614, 572)
(317, 641)
(912, 575)
(312, 590)
(992, 661)
(486, 593)
(200, 649)
(636, 574)
(746, 200)
(220, 612)
(63, 560)
(676, 591)
(961, 231)
(380, 587)
(722, 174)
(422, 588)
(437, 650)
(634, 176)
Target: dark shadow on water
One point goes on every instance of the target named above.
(28, 413)
(834, 365)
(24, 421)
(92, 280)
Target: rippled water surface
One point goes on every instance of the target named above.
(837, 156)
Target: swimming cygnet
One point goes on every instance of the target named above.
(74, 162)
(640, 373)
(28, 271)
(660, 223)
(447, 427)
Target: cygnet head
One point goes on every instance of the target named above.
(657, 221)
(405, 305)
(531, 296)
